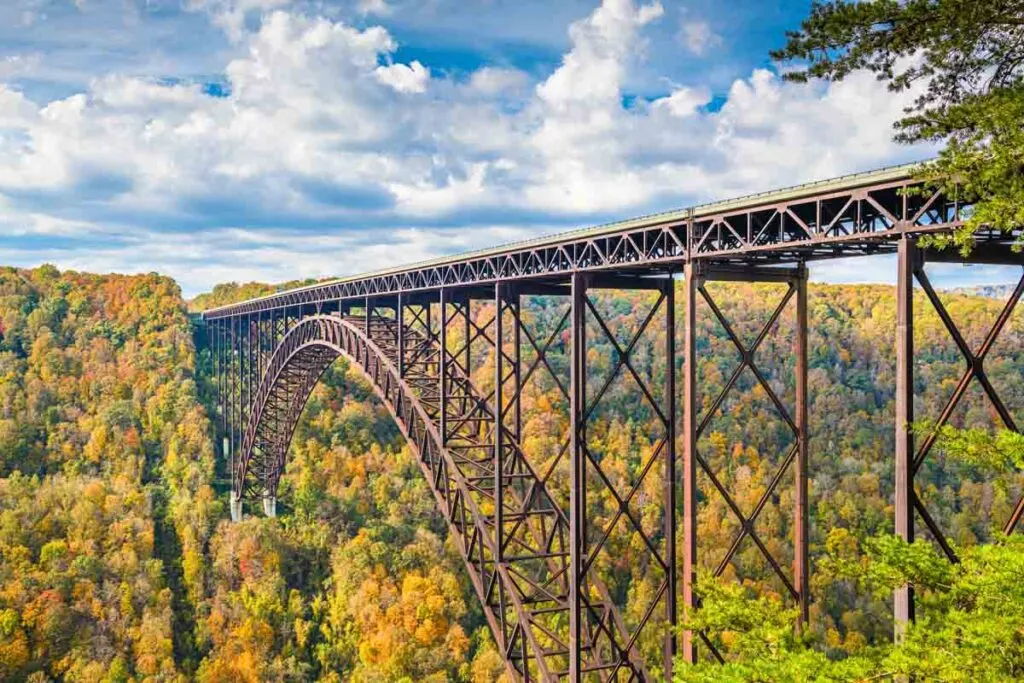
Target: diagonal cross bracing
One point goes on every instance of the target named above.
(532, 560)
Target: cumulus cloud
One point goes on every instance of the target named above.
(231, 15)
(683, 101)
(321, 146)
(404, 77)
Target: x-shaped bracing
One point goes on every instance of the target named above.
(582, 410)
(695, 426)
(975, 370)
(747, 361)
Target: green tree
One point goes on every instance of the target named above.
(964, 61)
(971, 626)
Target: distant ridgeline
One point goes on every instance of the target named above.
(1001, 292)
(116, 561)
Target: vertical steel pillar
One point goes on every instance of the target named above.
(801, 521)
(260, 355)
(236, 388)
(248, 339)
(689, 648)
(468, 360)
(400, 321)
(577, 476)
(233, 372)
(499, 412)
(908, 258)
(368, 315)
(517, 359)
(219, 356)
(671, 608)
(443, 369)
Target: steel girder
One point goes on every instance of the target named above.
(861, 216)
(529, 554)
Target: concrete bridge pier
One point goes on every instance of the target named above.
(269, 504)
(236, 508)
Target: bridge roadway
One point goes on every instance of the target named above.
(535, 558)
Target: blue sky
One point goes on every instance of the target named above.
(219, 140)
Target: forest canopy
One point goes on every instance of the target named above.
(118, 563)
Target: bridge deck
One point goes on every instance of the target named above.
(859, 214)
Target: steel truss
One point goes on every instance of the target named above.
(448, 349)
(861, 215)
(695, 425)
(586, 472)
(514, 536)
(910, 455)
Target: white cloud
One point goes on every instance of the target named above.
(683, 101)
(378, 8)
(318, 141)
(16, 112)
(489, 80)
(410, 78)
(698, 37)
(231, 15)
(592, 71)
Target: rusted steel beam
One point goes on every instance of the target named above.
(908, 261)
(671, 480)
(856, 216)
(400, 318)
(801, 515)
(689, 474)
(499, 426)
(610, 281)
(734, 273)
(577, 474)
(989, 253)
(442, 372)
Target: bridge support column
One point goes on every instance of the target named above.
(908, 258)
(592, 536)
(689, 570)
(499, 420)
(796, 458)
(911, 453)
(400, 319)
(671, 483)
(234, 498)
(269, 504)
(442, 368)
(801, 514)
(577, 474)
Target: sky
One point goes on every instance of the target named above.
(239, 140)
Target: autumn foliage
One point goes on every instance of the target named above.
(117, 562)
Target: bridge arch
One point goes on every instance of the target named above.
(294, 370)
(525, 599)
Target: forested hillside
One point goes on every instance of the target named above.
(117, 562)
(106, 505)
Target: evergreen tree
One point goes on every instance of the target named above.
(964, 61)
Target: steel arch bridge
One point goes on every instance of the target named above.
(454, 384)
